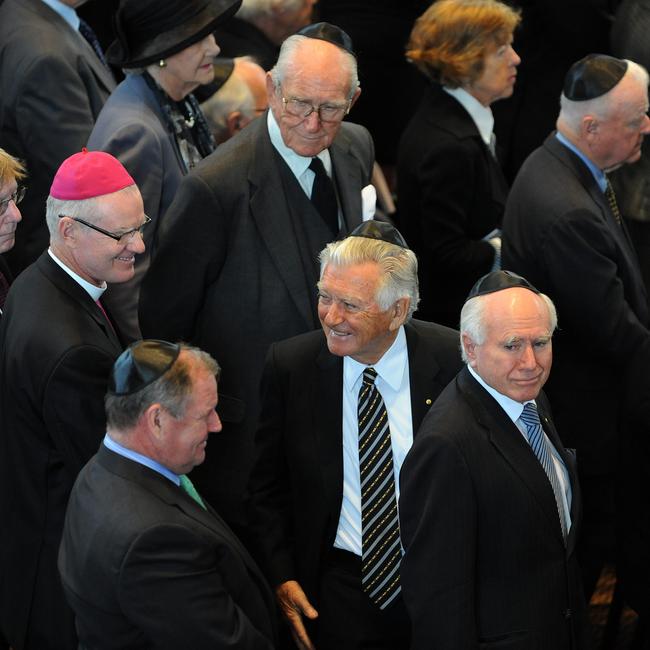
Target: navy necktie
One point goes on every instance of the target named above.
(87, 32)
(323, 196)
(381, 548)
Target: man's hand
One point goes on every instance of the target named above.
(294, 606)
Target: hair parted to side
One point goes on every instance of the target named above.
(289, 61)
(172, 391)
(399, 266)
(10, 168)
(86, 209)
(602, 108)
(472, 320)
(252, 9)
(451, 38)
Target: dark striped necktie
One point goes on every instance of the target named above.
(380, 539)
(613, 205)
(88, 33)
(539, 445)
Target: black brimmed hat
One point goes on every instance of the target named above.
(150, 30)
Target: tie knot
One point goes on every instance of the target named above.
(529, 415)
(369, 376)
(316, 165)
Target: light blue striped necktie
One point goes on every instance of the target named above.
(540, 447)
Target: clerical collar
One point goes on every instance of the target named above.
(93, 291)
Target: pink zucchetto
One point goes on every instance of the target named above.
(87, 174)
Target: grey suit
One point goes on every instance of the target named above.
(131, 127)
(234, 271)
(52, 87)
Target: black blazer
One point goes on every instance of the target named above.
(228, 274)
(451, 194)
(56, 352)
(559, 233)
(485, 563)
(144, 566)
(296, 486)
(52, 87)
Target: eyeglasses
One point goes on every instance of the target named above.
(16, 197)
(326, 112)
(118, 237)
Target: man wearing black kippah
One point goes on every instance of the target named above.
(563, 230)
(145, 561)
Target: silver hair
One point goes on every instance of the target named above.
(399, 266)
(290, 58)
(572, 112)
(172, 391)
(234, 95)
(87, 209)
(472, 321)
(253, 9)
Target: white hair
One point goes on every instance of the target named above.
(234, 95)
(289, 58)
(572, 112)
(399, 267)
(250, 10)
(472, 320)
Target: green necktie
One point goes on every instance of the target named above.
(188, 486)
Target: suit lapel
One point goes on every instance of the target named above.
(327, 425)
(423, 368)
(511, 445)
(67, 285)
(347, 174)
(273, 220)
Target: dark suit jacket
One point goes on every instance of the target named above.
(558, 233)
(56, 351)
(238, 37)
(228, 274)
(451, 194)
(52, 87)
(296, 487)
(485, 563)
(144, 566)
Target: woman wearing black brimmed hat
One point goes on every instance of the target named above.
(152, 123)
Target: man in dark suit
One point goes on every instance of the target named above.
(563, 231)
(11, 171)
(57, 346)
(307, 506)
(52, 87)
(490, 506)
(244, 223)
(145, 562)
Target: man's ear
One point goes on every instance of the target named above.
(470, 348)
(153, 418)
(68, 232)
(233, 123)
(357, 92)
(400, 310)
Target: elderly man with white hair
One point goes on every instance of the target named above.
(57, 346)
(564, 232)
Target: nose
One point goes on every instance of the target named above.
(12, 213)
(212, 48)
(332, 315)
(312, 122)
(645, 127)
(214, 423)
(516, 59)
(527, 360)
(136, 243)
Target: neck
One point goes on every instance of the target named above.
(174, 88)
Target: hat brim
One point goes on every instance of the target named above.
(176, 40)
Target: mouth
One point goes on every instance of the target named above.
(338, 335)
(126, 259)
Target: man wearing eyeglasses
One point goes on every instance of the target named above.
(235, 263)
(57, 346)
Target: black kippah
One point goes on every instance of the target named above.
(140, 365)
(380, 230)
(498, 281)
(330, 33)
(593, 76)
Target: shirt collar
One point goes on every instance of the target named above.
(597, 173)
(391, 367)
(482, 115)
(298, 164)
(116, 447)
(94, 292)
(512, 408)
(67, 13)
